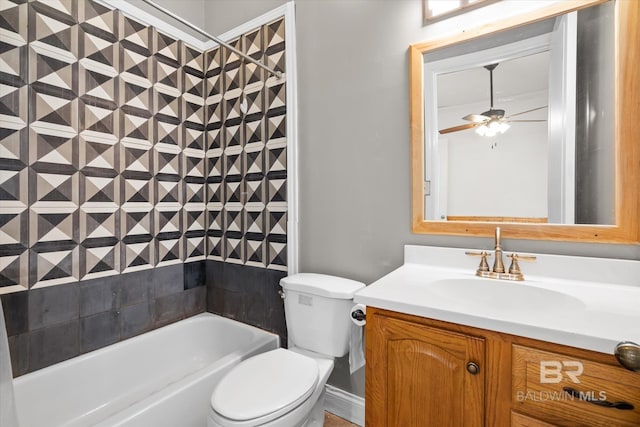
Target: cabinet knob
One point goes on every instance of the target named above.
(628, 354)
(473, 368)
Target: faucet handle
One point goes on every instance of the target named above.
(514, 268)
(484, 265)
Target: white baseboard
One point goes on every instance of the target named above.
(344, 404)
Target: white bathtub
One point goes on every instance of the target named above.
(160, 378)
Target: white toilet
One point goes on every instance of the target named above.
(285, 388)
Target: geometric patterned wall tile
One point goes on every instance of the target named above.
(231, 60)
(136, 157)
(276, 130)
(14, 36)
(195, 219)
(168, 76)
(103, 191)
(168, 48)
(135, 92)
(135, 37)
(233, 218)
(51, 145)
(215, 218)
(167, 159)
(215, 247)
(135, 126)
(99, 261)
(52, 189)
(167, 133)
(137, 255)
(255, 191)
(234, 249)
(99, 20)
(97, 152)
(233, 135)
(215, 166)
(254, 160)
(194, 85)
(193, 110)
(276, 99)
(233, 106)
(96, 118)
(194, 137)
(48, 266)
(254, 220)
(277, 222)
(255, 253)
(99, 224)
(194, 165)
(169, 250)
(167, 104)
(167, 218)
(276, 190)
(53, 113)
(137, 191)
(53, 222)
(13, 229)
(195, 248)
(193, 61)
(14, 271)
(274, 34)
(215, 111)
(136, 220)
(194, 192)
(14, 242)
(213, 61)
(14, 191)
(98, 81)
(276, 160)
(276, 255)
(234, 192)
(168, 191)
(215, 192)
(214, 138)
(13, 106)
(253, 102)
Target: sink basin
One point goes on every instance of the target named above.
(475, 294)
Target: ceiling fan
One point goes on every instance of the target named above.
(492, 121)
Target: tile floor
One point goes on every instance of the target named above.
(331, 420)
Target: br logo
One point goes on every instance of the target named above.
(552, 371)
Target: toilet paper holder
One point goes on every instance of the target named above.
(358, 315)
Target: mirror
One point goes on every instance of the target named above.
(523, 124)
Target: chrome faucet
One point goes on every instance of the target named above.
(498, 270)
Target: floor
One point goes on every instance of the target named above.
(331, 420)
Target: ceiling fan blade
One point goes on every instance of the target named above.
(458, 128)
(528, 111)
(476, 118)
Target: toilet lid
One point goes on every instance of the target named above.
(266, 383)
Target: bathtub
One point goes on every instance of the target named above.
(161, 378)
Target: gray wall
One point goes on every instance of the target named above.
(354, 136)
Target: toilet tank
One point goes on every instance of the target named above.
(317, 309)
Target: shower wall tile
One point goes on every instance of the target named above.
(14, 155)
(124, 153)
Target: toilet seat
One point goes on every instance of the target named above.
(265, 386)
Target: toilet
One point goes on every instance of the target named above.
(285, 387)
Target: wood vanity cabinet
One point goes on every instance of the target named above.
(422, 372)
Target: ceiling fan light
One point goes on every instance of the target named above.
(482, 130)
(503, 127)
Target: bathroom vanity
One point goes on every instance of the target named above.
(447, 348)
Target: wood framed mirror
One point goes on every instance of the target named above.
(561, 223)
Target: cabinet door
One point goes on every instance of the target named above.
(417, 375)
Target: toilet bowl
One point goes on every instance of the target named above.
(285, 387)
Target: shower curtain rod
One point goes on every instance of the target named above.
(276, 73)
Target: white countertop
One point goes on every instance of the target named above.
(589, 303)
